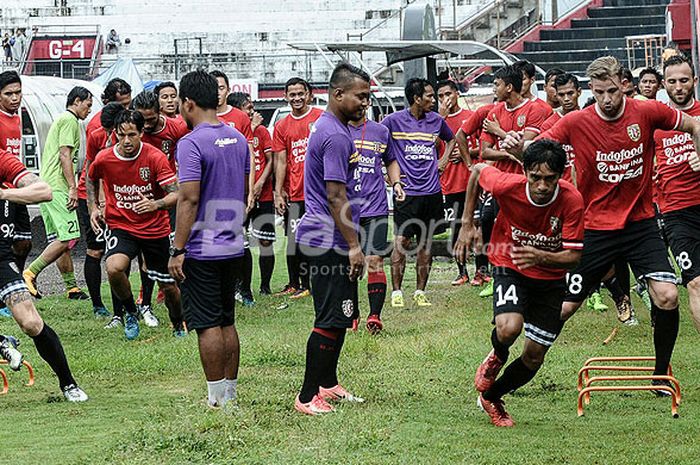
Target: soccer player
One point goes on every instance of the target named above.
(372, 143)
(614, 145)
(527, 70)
(214, 164)
(678, 179)
(97, 140)
(262, 216)
(116, 90)
(328, 231)
(228, 114)
(289, 142)
(551, 88)
(28, 189)
(59, 160)
(567, 92)
(454, 166)
(649, 83)
(139, 187)
(167, 97)
(538, 235)
(414, 134)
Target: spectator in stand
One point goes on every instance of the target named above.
(7, 47)
(20, 45)
(113, 42)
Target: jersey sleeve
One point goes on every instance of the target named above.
(664, 117)
(446, 133)
(549, 122)
(572, 232)
(388, 156)
(559, 132)
(491, 179)
(336, 154)
(535, 119)
(246, 128)
(189, 161)
(164, 174)
(68, 133)
(265, 139)
(11, 169)
(279, 139)
(92, 146)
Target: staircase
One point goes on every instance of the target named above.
(603, 32)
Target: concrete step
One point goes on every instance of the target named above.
(577, 44)
(627, 21)
(634, 2)
(601, 33)
(640, 10)
(573, 55)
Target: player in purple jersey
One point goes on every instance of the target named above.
(371, 140)
(414, 133)
(328, 236)
(213, 167)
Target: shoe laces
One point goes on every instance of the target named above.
(320, 403)
(500, 408)
(493, 364)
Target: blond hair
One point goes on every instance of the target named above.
(604, 68)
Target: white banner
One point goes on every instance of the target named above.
(248, 86)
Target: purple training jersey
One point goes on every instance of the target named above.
(372, 140)
(413, 143)
(330, 156)
(217, 157)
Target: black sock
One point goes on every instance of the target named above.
(117, 306)
(292, 269)
(50, 349)
(129, 305)
(267, 266)
(665, 334)
(320, 353)
(500, 349)
(613, 285)
(514, 376)
(174, 307)
(331, 375)
(93, 279)
(147, 285)
(622, 273)
(246, 272)
(21, 261)
(482, 263)
(376, 291)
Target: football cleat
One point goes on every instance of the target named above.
(374, 324)
(496, 410)
(131, 328)
(101, 312)
(148, 316)
(595, 302)
(487, 291)
(487, 372)
(73, 393)
(460, 280)
(8, 351)
(75, 293)
(301, 293)
(115, 322)
(316, 406)
(421, 300)
(338, 392)
(397, 299)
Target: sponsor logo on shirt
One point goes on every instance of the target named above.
(13, 144)
(677, 148)
(634, 132)
(615, 167)
(538, 240)
(224, 141)
(128, 196)
(299, 149)
(418, 152)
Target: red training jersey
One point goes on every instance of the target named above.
(570, 155)
(615, 159)
(524, 117)
(10, 133)
(11, 169)
(166, 139)
(292, 134)
(553, 227)
(456, 175)
(238, 120)
(262, 147)
(543, 106)
(125, 180)
(94, 123)
(677, 183)
(94, 142)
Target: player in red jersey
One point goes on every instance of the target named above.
(227, 114)
(650, 81)
(454, 167)
(614, 145)
(139, 187)
(551, 88)
(27, 188)
(528, 71)
(678, 179)
(166, 92)
(116, 90)
(289, 142)
(538, 235)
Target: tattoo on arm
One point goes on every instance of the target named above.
(170, 188)
(28, 180)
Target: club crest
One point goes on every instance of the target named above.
(165, 146)
(145, 173)
(634, 132)
(521, 121)
(348, 308)
(554, 222)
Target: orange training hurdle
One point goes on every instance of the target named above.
(6, 385)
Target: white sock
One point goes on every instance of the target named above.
(217, 392)
(395, 293)
(418, 292)
(230, 392)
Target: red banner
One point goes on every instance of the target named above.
(57, 48)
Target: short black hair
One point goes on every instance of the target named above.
(200, 87)
(652, 71)
(9, 77)
(77, 92)
(627, 74)
(552, 72)
(679, 59)
(220, 74)
(415, 87)
(295, 81)
(146, 100)
(130, 117)
(545, 151)
(109, 114)
(447, 83)
(164, 85)
(525, 67)
(237, 99)
(564, 79)
(510, 75)
(114, 87)
(344, 74)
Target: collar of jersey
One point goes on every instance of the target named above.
(11, 115)
(524, 102)
(551, 201)
(452, 115)
(116, 153)
(165, 123)
(304, 115)
(685, 108)
(230, 109)
(614, 118)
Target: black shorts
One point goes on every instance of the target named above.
(93, 241)
(10, 279)
(23, 225)
(682, 228)
(639, 243)
(155, 252)
(208, 292)
(334, 295)
(262, 221)
(418, 216)
(539, 301)
(453, 206)
(373, 233)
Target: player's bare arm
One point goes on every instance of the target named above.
(66, 159)
(30, 189)
(92, 186)
(528, 256)
(342, 216)
(187, 203)
(281, 197)
(257, 188)
(493, 127)
(468, 233)
(393, 172)
(488, 152)
(146, 205)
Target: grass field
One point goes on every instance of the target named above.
(147, 397)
